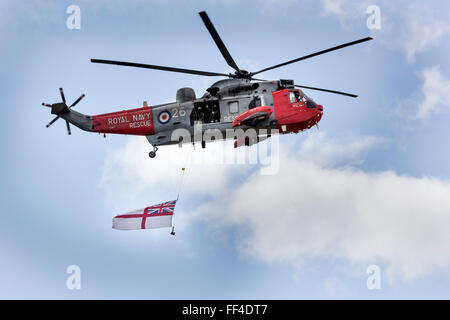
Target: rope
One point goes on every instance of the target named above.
(188, 158)
(186, 162)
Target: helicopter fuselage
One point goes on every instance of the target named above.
(286, 109)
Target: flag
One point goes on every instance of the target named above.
(157, 216)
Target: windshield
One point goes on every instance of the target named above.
(300, 96)
(309, 102)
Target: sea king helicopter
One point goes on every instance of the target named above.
(240, 101)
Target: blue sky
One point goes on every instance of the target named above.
(371, 187)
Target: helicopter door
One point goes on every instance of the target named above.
(205, 112)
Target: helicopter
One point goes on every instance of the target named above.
(240, 101)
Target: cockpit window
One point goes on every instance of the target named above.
(310, 104)
(294, 97)
(291, 97)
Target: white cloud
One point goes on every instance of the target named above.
(349, 214)
(332, 7)
(350, 14)
(423, 31)
(436, 92)
(433, 97)
(129, 173)
(307, 211)
(413, 28)
(321, 149)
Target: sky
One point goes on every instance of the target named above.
(371, 187)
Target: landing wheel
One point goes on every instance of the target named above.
(152, 154)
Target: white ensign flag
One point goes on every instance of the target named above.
(157, 216)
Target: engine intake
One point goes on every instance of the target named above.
(185, 94)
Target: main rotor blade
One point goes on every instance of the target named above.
(218, 40)
(256, 79)
(330, 91)
(149, 66)
(314, 54)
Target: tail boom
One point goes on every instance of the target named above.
(132, 122)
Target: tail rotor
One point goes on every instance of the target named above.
(59, 108)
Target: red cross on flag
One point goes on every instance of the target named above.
(157, 216)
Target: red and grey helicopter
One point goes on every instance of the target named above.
(240, 101)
